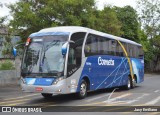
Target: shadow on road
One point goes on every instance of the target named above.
(62, 99)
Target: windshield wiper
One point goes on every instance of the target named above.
(53, 71)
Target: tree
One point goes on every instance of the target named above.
(32, 15)
(129, 19)
(7, 42)
(149, 13)
(108, 22)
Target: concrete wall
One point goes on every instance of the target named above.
(8, 77)
(11, 77)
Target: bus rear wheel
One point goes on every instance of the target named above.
(83, 90)
(133, 82)
(46, 95)
(129, 83)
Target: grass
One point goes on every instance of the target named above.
(7, 65)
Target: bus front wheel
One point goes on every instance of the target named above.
(83, 90)
(46, 95)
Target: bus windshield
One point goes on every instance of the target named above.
(43, 55)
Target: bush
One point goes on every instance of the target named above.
(7, 65)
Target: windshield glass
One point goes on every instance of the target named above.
(43, 55)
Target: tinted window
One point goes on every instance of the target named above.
(98, 45)
(119, 50)
(140, 54)
(91, 46)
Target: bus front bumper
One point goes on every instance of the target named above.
(59, 88)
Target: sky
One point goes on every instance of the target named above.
(100, 3)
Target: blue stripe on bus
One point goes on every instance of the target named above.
(48, 33)
(39, 81)
(106, 76)
(113, 71)
(126, 73)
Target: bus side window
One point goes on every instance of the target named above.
(130, 50)
(112, 48)
(91, 45)
(119, 50)
(106, 46)
(141, 53)
(137, 52)
(87, 48)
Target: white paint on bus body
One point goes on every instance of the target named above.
(105, 62)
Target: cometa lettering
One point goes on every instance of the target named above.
(105, 62)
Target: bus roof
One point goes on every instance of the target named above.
(73, 29)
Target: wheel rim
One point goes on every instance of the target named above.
(83, 89)
(129, 84)
(134, 82)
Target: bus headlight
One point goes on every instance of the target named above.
(57, 80)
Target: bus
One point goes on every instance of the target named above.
(73, 59)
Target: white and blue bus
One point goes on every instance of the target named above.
(72, 59)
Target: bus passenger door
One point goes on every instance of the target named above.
(74, 61)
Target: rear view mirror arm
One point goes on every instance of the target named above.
(18, 45)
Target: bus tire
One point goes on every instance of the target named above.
(133, 82)
(129, 83)
(47, 95)
(83, 90)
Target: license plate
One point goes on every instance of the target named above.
(39, 89)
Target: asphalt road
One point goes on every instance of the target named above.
(144, 94)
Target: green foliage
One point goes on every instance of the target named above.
(7, 65)
(108, 22)
(2, 20)
(149, 13)
(33, 15)
(156, 41)
(129, 19)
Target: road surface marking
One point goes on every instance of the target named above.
(154, 101)
(14, 104)
(156, 91)
(37, 104)
(92, 99)
(137, 99)
(14, 101)
(41, 104)
(117, 99)
(48, 106)
(104, 102)
(20, 97)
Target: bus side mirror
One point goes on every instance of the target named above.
(14, 51)
(64, 48)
